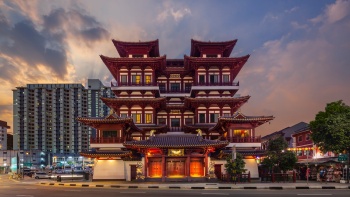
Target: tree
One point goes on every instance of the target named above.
(331, 128)
(235, 167)
(277, 157)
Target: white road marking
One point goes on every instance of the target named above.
(315, 194)
(225, 194)
(132, 192)
(25, 195)
(72, 190)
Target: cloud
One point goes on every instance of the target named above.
(337, 11)
(177, 14)
(296, 25)
(295, 78)
(293, 9)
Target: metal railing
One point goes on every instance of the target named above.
(244, 139)
(216, 84)
(106, 140)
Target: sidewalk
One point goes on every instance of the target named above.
(193, 185)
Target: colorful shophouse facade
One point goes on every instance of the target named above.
(173, 118)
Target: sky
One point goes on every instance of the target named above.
(300, 50)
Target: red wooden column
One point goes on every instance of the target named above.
(129, 76)
(153, 78)
(206, 163)
(146, 164)
(143, 118)
(143, 76)
(163, 167)
(207, 114)
(167, 85)
(207, 76)
(187, 167)
(154, 116)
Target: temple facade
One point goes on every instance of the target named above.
(173, 119)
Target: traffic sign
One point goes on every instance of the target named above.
(342, 157)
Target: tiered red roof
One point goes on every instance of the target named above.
(200, 46)
(239, 118)
(176, 141)
(148, 47)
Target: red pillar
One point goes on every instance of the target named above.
(146, 165)
(163, 168)
(129, 76)
(188, 159)
(207, 76)
(206, 163)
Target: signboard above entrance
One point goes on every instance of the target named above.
(176, 152)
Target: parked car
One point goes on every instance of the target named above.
(41, 175)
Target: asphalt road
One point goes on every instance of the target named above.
(11, 188)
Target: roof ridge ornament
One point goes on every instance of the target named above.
(199, 132)
(111, 111)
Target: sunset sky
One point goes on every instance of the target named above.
(300, 50)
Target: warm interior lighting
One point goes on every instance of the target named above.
(176, 176)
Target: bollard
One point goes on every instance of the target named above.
(59, 179)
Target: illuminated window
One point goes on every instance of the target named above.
(241, 133)
(148, 118)
(148, 79)
(137, 118)
(136, 79)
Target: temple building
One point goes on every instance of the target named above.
(173, 119)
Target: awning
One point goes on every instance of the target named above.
(319, 161)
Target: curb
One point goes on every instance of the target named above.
(195, 187)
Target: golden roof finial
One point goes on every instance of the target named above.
(111, 111)
(199, 132)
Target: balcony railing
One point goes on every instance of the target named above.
(106, 140)
(116, 84)
(174, 91)
(244, 139)
(216, 84)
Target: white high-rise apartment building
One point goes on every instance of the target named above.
(97, 108)
(3, 135)
(45, 116)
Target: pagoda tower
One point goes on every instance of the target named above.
(173, 119)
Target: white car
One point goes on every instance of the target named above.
(41, 175)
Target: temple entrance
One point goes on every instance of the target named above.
(175, 168)
(196, 167)
(155, 168)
